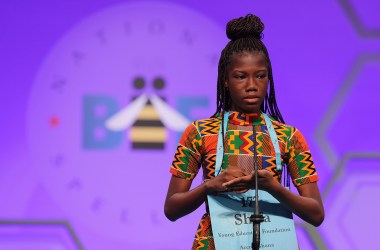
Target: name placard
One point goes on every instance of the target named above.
(230, 219)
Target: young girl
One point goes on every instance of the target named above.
(245, 89)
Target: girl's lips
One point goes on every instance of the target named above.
(251, 99)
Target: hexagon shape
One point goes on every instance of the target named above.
(35, 234)
(364, 16)
(354, 109)
(309, 237)
(351, 221)
(357, 113)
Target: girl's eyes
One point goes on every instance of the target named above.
(261, 76)
(240, 76)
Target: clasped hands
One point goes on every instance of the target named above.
(237, 180)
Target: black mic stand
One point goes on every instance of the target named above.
(256, 218)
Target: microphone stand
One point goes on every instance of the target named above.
(256, 218)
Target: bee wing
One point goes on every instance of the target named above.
(126, 116)
(169, 116)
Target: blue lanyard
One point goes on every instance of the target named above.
(220, 146)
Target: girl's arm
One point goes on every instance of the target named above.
(180, 200)
(307, 205)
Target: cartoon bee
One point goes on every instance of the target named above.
(148, 118)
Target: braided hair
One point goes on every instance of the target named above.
(245, 34)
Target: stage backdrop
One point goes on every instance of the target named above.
(95, 94)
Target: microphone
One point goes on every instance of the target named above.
(256, 218)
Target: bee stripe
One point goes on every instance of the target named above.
(148, 134)
(148, 123)
(148, 145)
(148, 113)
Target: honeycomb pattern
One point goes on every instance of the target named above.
(363, 16)
(38, 234)
(340, 152)
(352, 219)
(344, 194)
(309, 238)
(344, 98)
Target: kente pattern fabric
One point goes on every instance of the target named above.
(197, 148)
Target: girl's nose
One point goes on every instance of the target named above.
(251, 85)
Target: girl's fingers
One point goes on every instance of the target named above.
(241, 191)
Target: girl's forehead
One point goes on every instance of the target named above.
(244, 53)
(248, 56)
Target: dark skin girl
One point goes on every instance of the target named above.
(247, 81)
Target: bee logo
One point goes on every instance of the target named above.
(148, 117)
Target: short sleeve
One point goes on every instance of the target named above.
(300, 162)
(187, 158)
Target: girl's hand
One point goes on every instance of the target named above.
(217, 184)
(244, 183)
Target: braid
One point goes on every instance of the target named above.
(245, 34)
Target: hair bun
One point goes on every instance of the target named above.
(242, 27)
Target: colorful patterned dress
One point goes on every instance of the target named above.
(197, 148)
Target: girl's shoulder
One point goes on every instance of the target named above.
(283, 131)
(208, 126)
